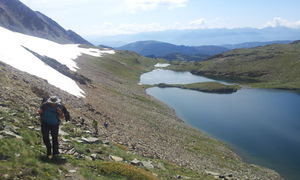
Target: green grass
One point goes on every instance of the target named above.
(25, 158)
(126, 65)
(272, 66)
(213, 87)
(124, 170)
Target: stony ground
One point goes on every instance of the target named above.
(140, 127)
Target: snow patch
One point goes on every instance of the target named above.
(12, 52)
(161, 65)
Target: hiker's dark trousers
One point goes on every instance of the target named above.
(46, 130)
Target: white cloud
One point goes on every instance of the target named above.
(108, 29)
(198, 23)
(281, 22)
(135, 5)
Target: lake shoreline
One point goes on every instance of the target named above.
(249, 158)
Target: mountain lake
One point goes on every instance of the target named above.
(262, 126)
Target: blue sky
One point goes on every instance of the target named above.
(112, 17)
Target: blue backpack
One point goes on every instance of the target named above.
(50, 115)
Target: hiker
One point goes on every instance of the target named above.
(62, 107)
(51, 112)
(105, 124)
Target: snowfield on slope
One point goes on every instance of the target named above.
(12, 52)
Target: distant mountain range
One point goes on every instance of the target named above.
(254, 44)
(157, 49)
(16, 16)
(199, 37)
(169, 51)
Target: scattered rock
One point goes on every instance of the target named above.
(88, 158)
(88, 132)
(161, 166)
(63, 133)
(17, 155)
(106, 142)
(178, 177)
(148, 164)
(72, 171)
(136, 162)
(70, 151)
(219, 175)
(94, 156)
(78, 140)
(65, 140)
(115, 158)
(68, 175)
(9, 133)
(212, 173)
(90, 140)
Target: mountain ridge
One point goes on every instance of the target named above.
(16, 16)
(158, 49)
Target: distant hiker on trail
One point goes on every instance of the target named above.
(105, 124)
(51, 111)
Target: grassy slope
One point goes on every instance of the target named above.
(272, 66)
(24, 158)
(140, 127)
(155, 124)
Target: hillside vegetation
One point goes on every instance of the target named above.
(211, 87)
(272, 66)
(145, 139)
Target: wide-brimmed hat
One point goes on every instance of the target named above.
(53, 100)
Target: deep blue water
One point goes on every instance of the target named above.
(262, 126)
